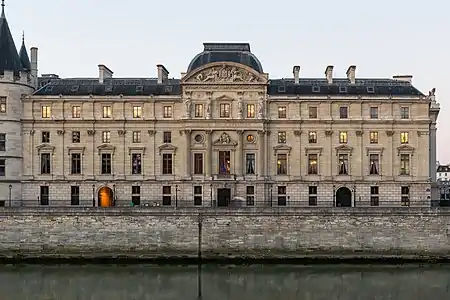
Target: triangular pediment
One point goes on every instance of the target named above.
(106, 147)
(167, 147)
(224, 73)
(45, 147)
(76, 149)
(344, 148)
(225, 140)
(282, 148)
(405, 148)
(224, 98)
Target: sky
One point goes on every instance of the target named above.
(382, 38)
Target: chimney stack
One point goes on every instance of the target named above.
(351, 73)
(296, 71)
(104, 73)
(163, 74)
(406, 78)
(34, 66)
(329, 74)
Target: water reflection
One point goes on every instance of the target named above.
(224, 283)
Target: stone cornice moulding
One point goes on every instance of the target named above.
(106, 148)
(47, 148)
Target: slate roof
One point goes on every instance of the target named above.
(24, 58)
(443, 168)
(9, 59)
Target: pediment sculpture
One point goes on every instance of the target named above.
(225, 139)
(225, 74)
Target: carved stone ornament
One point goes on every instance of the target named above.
(359, 133)
(32, 132)
(328, 132)
(121, 132)
(60, 132)
(224, 73)
(151, 132)
(389, 133)
(225, 138)
(91, 132)
(420, 133)
(297, 132)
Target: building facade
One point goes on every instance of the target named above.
(224, 132)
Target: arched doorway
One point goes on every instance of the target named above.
(105, 197)
(343, 197)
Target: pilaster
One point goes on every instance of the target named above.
(208, 158)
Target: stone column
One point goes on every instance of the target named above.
(261, 159)
(432, 158)
(239, 162)
(208, 158)
(187, 141)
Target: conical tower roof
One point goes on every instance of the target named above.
(23, 55)
(9, 58)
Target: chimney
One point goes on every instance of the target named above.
(296, 71)
(34, 66)
(163, 74)
(104, 73)
(329, 74)
(351, 74)
(406, 78)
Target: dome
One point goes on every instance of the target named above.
(232, 52)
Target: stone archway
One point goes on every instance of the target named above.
(343, 197)
(105, 197)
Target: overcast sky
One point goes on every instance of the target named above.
(382, 38)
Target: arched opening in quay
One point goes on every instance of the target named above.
(105, 197)
(343, 197)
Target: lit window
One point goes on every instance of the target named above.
(106, 136)
(282, 114)
(282, 137)
(343, 137)
(2, 104)
(107, 112)
(251, 111)
(404, 138)
(198, 110)
(137, 112)
(167, 112)
(76, 112)
(46, 112)
(374, 137)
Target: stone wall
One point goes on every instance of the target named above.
(245, 233)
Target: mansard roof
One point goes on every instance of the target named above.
(9, 59)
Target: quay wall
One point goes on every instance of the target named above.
(247, 233)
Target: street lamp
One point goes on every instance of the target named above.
(354, 196)
(176, 195)
(93, 195)
(334, 195)
(271, 194)
(210, 194)
(10, 187)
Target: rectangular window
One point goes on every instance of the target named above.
(343, 137)
(374, 137)
(2, 141)
(374, 112)
(224, 110)
(46, 112)
(167, 137)
(374, 196)
(374, 164)
(2, 104)
(405, 196)
(343, 112)
(282, 112)
(282, 164)
(312, 200)
(282, 198)
(312, 112)
(45, 136)
(250, 198)
(343, 164)
(404, 138)
(106, 163)
(137, 112)
(2, 167)
(282, 137)
(167, 195)
(74, 195)
(106, 137)
(250, 162)
(107, 112)
(44, 195)
(404, 164)
(75, 163)
(404, 112)
(45, 163)
(136, 163)
(224, 163)
(136, 136)
(251, 113)
(136, 195)
(167, 113)
(198, 110)
(312, 164)
(198, 163)
(76, 137)
(198, 195)
(312, 137)
(76, 112)
(167, 164)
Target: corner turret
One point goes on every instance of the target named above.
(23, 55)
(9, 58)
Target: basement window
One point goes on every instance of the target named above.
(316, 89)
(281, 89)
(342, 89)
(370, 89)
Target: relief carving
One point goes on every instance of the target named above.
(225, 74)
(91, 132)
(121, 132)
(328, 132)
(359, 133)
(151, 132)
(297, 132)
(389, 133)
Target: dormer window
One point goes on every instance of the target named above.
(108, 88)
(75, 88)
(370, 89)
(342, 89)
(281, 89)
(316, 89)
(139, 89)
(168, 89)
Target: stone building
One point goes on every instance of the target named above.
(224, 132)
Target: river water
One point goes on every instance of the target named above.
(257, 282)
